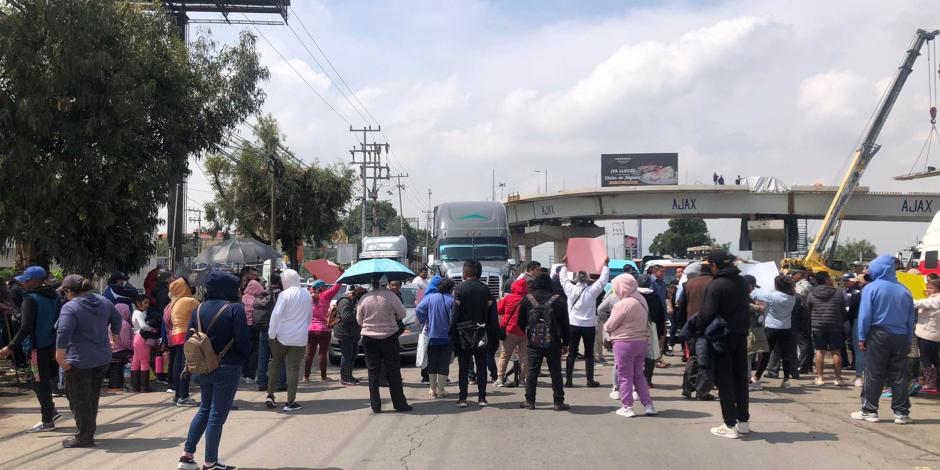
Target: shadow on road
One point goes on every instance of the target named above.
(291, 468)
(129, 445)
(783, 437)
(683, 414)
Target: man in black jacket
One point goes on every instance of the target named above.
(727, 297)
(828, 309)
(474, 304)
(542, 291)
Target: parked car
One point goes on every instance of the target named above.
(408, 341)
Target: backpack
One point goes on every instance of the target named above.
(332, 318)
(153, 320)
(198, 351)
(540, 322)
(264, 305)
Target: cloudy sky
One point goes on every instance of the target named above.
(750, 87)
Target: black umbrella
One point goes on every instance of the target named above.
(237, 252)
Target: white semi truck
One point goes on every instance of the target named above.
(391, 247)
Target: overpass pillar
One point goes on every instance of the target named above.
(561, 250)
(768, 239)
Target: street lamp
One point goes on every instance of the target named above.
(546, 178)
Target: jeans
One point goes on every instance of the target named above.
(577, 333)
(217, 390)
(293, 355)
(177, 372)
(781, 341)
(83, 388)
(858, 356)
(886, 362)
(631, 356)
(465, 362)
(929, 353)
(348, 349)
(732, 380)
(439, 359)
(511, 344)
(384, 352)
(552, 356)
(48, 371)
(264, 356)
(317, 340)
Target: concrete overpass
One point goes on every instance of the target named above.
(768, 218)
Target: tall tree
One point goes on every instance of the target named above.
(309, 200)
(681, 234)
(856, 250)
(100, 105)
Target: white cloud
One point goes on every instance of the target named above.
(295, 72)
(836, 94)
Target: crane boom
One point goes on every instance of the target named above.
(865, 152)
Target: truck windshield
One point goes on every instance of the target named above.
(480, 248)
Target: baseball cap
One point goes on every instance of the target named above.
(117, 276)
(694, 268)
(72, 282)
(318, 284)
(33, 273)
(848, 277)
(751, 280)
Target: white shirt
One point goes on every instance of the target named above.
(139, 321)
(582, 298)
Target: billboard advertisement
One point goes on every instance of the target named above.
(639, 169)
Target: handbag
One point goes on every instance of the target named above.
(421, 358)
(654, 353)
(471, 335)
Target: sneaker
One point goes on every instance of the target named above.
(859, 382)
(614, 395)
(743, 427)
(915, 388)
(291, 406)
(184, 402)
(865, 416)
(73, 443)
(527, 405)
(56, 416)
(626, 412)
(500, 383)
(219, 466)
(886, 394)
(819, 381)
(170, 390)
(726, 432)
(838, 382)
(902, 419)
(707, 397)
(187, 463)
(404, 409)
(483, 403)
(785, 384)
(755, 387)
(461, 403)
(349, 383)
(561, 407)
(269, 402)
(651, 410)
(593, 384)
(42, 427)
(250, 381)
(569, 384)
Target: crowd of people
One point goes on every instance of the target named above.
(732, 335)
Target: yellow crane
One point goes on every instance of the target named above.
(814, 260)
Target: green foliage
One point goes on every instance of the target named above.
(309, 201)
(856, 250)
(386, 221)
(682, 234)
(100, 105)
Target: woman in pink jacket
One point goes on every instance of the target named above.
(319, 334)
(628, 327)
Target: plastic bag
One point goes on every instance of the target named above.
(421, 358)
(654, 353)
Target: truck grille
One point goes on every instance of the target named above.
(491, 281)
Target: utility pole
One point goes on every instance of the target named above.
(198, 221)
(430, 217)
(401, 215)
(364, 165)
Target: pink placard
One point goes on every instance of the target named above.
(586, 254)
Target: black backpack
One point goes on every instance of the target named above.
(155, 321)
(540, 323)
(264, 305)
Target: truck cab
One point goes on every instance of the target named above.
(391, 247)
(473, 230)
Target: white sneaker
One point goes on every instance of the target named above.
(859, 382)
(651, 410)
(755, 387)
(818, 381)
(626, 412)
(614, 395)
(838, 382)
(726, 432)
(785, 384)
(866, 416)
(743, 427)
(902, 419)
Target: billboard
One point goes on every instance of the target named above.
(639, 169)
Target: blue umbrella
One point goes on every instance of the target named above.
(363, 271)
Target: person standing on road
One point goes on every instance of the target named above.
(827, 308)
(320, 333)
(757, 344)
(177, 317)
(803, 348)
(421, 282)
(699, 372)
(886, 328)
(84, 352)
(436, 313)
(347, 332)
(928, 335)
(854, 299)
(515, 342)
(122, 346)
(231, 341)
(250, 293)
(140, 364)
(628, 327)
(656, 311)
(727, 300)
(261, 309)
(287, 333)
(582, 316)
(380, 314)
(543, 316)
(36, 337)
(778, 309)
(474, 304)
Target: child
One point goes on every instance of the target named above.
(140, 364)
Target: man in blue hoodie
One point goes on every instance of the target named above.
(885, 330)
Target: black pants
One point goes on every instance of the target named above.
(697, 377)
(806, 356)
(552, 356)
(48, 379)
(116, 369)
(780, 341)
(439, 359)
(465, 361)
(732, 380)
(577, 333)
(383, 353)
(251, 368)
(886, 364)
(83, 388)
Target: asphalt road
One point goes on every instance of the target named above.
(803, 427)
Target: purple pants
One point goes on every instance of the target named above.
(630, 356)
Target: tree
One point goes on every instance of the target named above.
(856, 250)
(682, 234)
(101, 104)
(387, 222)
(309, 200)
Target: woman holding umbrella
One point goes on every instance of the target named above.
(380, 313)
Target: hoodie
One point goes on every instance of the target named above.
(125, 337)
(232, 325)
(436, 310)
(292, 312)
(82, 330)
(629, 319)
(38, 313)
(252, 289)
(885, 303)
(508, 308)
(727, 297)
(827, 308)
(177, 315)
(322, 308)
